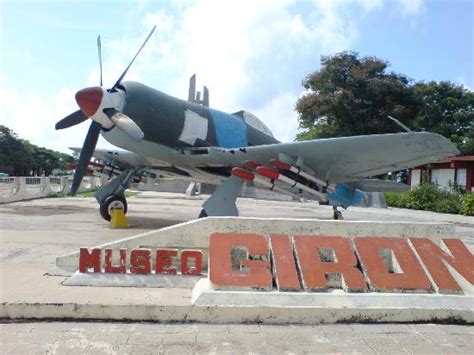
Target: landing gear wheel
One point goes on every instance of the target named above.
(111, 203)
(202, 214)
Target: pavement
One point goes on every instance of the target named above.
(150, 338)
(33, 233)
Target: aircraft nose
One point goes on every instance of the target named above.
(89, 100)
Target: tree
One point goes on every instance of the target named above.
(15, 156)
(447, 109)
(350, 96)
(20, 157)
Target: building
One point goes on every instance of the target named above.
(449, 170)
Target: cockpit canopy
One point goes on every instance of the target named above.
(253, 121)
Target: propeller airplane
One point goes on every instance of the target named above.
(190, 140)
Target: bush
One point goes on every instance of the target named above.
(467, 205)
(396, 199)
(429, 197)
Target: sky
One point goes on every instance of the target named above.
(251, 54)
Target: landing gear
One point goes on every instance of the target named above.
(337, 215)
(202, 214)
(222, 201)
(111, 203)
(111, 195)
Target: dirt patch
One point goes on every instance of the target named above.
(43, 210)
(150, 222)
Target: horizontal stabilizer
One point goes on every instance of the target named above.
(376, 185)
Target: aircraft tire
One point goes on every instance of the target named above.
(111, 202)
(202, 214)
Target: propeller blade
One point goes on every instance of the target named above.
(125, 123)
(71, 120)
(99, 49)
(86, 154)
(126, 69)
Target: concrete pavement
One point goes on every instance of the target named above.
(34, 233)
(149, 338)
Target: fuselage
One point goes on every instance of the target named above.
(171, 125)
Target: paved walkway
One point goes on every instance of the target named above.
(145, 338)
(34, 233)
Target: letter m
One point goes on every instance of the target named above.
(89, 260)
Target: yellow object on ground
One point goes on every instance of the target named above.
(118, 219)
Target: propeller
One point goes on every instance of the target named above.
(71, 120)
(117, 83)
(90, 100)
(99, 50)
(86, 155)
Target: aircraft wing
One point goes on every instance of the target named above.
(120, 158)
(349, 158)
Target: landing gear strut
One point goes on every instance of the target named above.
(111, 196)
(222, 201)
(337, 215)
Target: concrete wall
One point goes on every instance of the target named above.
(21, 188)
(195, 234)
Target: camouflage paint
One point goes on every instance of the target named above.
(161, 117)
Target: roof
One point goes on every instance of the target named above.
(465, 158)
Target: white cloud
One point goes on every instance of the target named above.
(410, 7)
(32, 116)
(160, 19)
(251, 54)
(462, 81)
(279, 115)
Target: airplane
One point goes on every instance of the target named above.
(189, 140)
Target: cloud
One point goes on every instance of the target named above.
(32, 116)
(462, 81)
(410, 7)
(279, 115)
(251, 54)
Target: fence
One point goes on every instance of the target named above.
(25, 188)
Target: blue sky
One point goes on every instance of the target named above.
(251, 54)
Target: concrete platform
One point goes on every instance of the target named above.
(35, 233)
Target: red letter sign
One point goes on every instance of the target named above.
(164, 261)
(115, 269)
(432, 256)
(191, 254)
(220, 265)
(88, 260)
(140, 261)
(284, 266)
(338, 258)
(402, 272)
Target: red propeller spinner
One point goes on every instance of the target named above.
(89, 100)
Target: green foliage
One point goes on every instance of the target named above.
(430, 197)
(467, 205)
(447, 109)
(20, 157)
(396, 199)
(352, 95)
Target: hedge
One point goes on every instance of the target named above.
(430, 197)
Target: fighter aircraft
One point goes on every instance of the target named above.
(189, 140)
